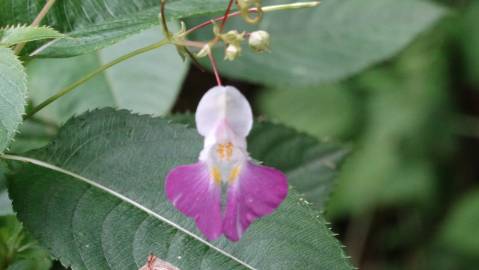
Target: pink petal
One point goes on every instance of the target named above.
(191, 190)
(257, 192)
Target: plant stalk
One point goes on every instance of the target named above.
(92, 74)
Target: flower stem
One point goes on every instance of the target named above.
(225, 17)
(215, 68)
(92, 74)
(297, 5)
(36, 22)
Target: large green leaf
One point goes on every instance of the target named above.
(148, 83)
(98, 23)
(103, 207)
(13, 90)
(18, 251)
(335, 40)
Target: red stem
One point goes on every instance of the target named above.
(215, 68)
(203, 24)
(227, 13)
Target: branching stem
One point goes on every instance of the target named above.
(92, 74)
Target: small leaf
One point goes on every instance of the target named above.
(12, 35)
(102, 180)
(18, 251)
(13, 89)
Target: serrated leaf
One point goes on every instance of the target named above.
(13, 89)
(332, 41)
(18, 251)
(107, 210)
(147, 83)
(99, 23)
(22, 33)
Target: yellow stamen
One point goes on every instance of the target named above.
(215, 172)
(229, 150)
(221, 151)
(234, 174)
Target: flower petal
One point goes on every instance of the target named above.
(192, 191)
(257, 192)
(224, 104)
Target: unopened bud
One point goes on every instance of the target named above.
(233, 37)
(204, 51)
(259, 41)
(232, 52)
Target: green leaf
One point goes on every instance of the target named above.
(99, 23)
(18, 251)
(460, 227)
(13, 89)
(148, 83)
(335, 40)
(12, 35)
(107, 209)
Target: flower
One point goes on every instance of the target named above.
(224, 118)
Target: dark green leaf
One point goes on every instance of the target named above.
(99, 23)
(107, 210)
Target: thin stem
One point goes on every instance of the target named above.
(225, 17)
(215, 68)
(297, 5)
(95, 72)
(36, 22)
(163, 19)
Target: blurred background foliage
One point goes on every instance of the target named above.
(407, 197)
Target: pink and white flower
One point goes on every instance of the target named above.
(224, 118)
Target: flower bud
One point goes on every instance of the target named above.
(233, 37)
(204, 51)
(259, 41)
(232, 52)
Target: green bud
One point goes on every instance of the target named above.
(259, 41)
(233, 37)
(232, 52)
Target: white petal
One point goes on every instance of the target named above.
(224, 104)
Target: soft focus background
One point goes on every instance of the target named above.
(403, 97)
